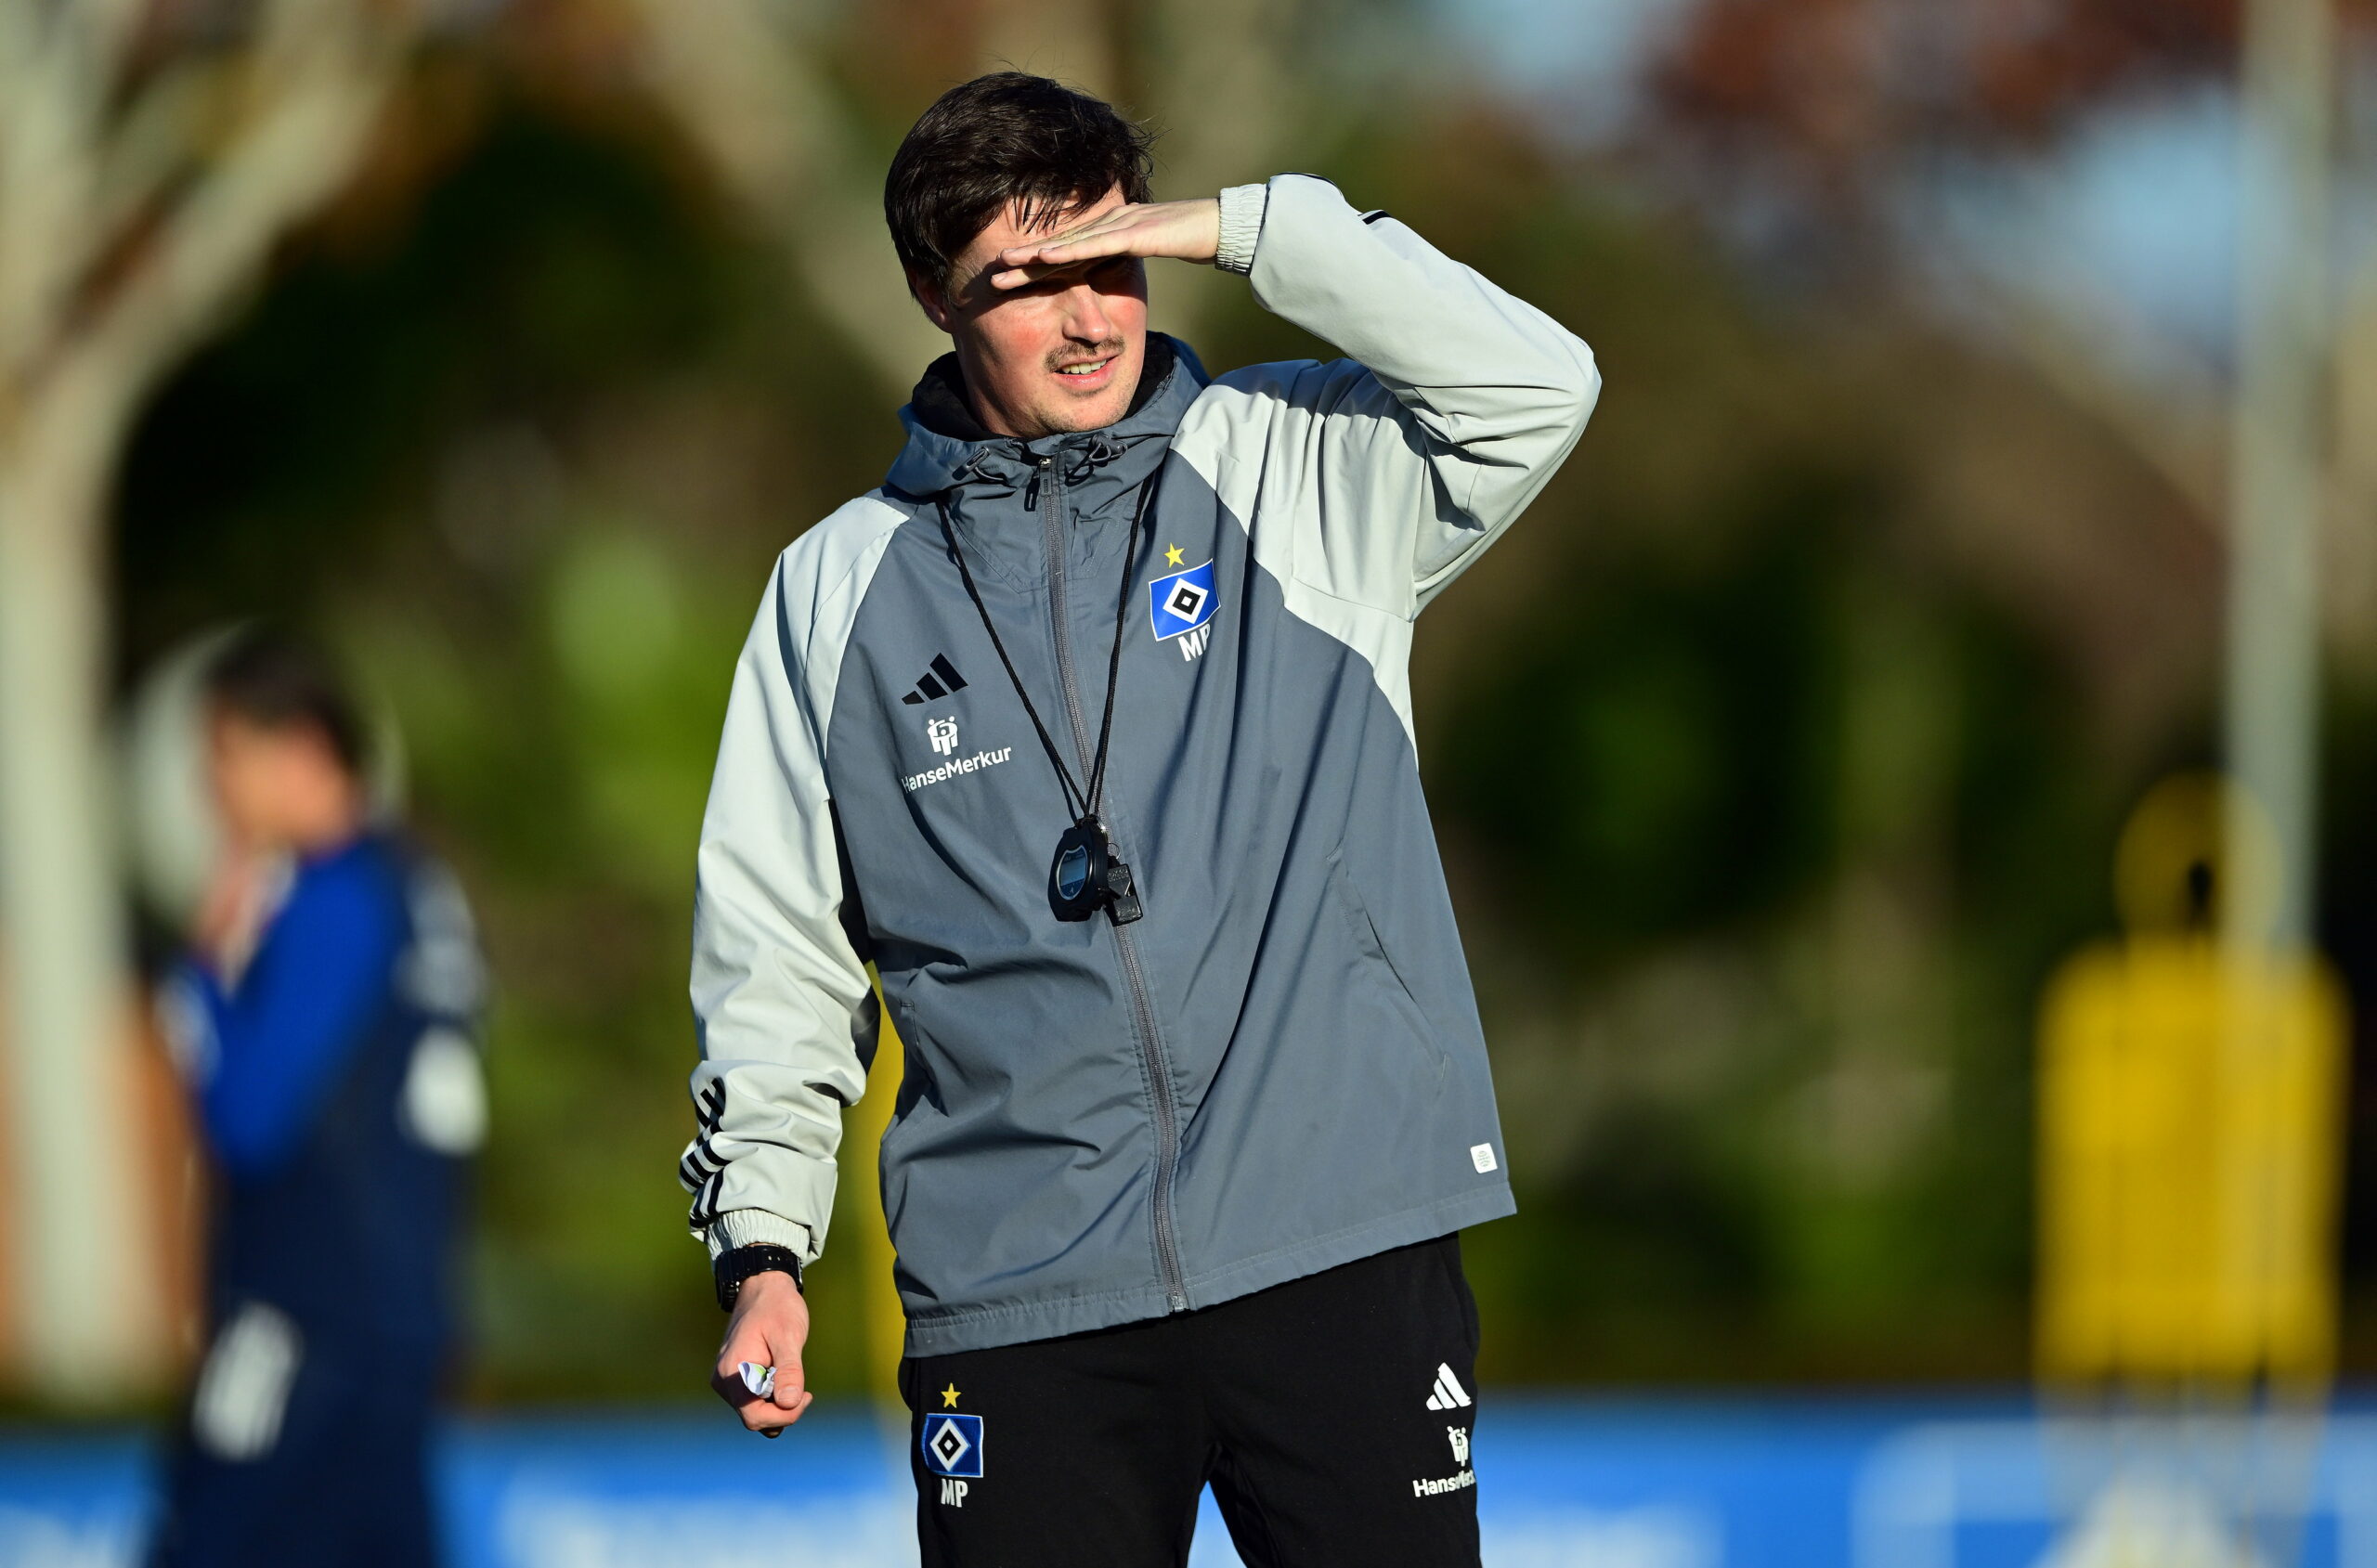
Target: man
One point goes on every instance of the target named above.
(325, 1020)
(1090, 729)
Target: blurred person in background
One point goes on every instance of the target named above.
(325, 1018)
(1196, 1097)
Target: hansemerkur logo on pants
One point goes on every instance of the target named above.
(1462, 1476)
(1447, 1393)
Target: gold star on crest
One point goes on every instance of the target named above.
(949, 1397)
(1172, 555)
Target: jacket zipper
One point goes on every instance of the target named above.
(1153, 1060)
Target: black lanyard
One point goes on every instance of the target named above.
(1084, 876)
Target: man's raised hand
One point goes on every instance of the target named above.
(769, 1328)
(1190, 231)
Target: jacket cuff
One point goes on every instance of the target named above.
(757, 1227)
(186, 1003)
(1241, 226)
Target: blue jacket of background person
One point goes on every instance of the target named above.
(338, 1086)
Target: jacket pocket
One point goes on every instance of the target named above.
(1379, 964)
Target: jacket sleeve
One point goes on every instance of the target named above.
(1456, 406)
(782, 1003)
(275, 1043)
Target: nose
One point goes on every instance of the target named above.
(1086, 317)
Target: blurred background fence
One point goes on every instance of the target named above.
(1778, 757)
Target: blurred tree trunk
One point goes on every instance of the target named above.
(145, 174)
(2283, 478)
(748, 89)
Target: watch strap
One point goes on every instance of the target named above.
(732, 1268)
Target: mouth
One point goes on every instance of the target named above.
(1088, 373)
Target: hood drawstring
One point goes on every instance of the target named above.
(1080, 460)
(1099, 450)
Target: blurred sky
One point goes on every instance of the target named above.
(1581, 62)
(2138, 205)
(2131, 216)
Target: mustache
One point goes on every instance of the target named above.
(1061, 358)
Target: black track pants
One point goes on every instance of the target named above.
(1332, 1415)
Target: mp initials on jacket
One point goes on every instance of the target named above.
(1278, 1068)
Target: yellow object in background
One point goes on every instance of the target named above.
(2189, 1122)
(887, 1322)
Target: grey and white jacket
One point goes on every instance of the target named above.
(1279, 1068)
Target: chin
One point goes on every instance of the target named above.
(1090, 414)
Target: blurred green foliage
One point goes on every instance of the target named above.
(1766, 815)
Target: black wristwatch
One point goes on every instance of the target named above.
(732, 1268)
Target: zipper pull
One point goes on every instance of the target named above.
(1032, 485)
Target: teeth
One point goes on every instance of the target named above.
(1083, 369)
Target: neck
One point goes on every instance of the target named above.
(993, 419)
(336, 825)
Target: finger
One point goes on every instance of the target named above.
(1121, 219)
(1018, 275)
(761, 1413)
(1026, 263)
(1066, 252)
(1072, 248)
(792, 1384)
(1016, 278)
(729, 1377)
(766, 1418)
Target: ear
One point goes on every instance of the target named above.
(933, 302)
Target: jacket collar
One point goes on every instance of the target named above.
(948, 449)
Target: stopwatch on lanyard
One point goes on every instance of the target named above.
(1084, 876)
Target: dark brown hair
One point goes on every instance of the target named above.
(277, 682)
(1008, 136)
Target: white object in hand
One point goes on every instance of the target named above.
(761, 1381)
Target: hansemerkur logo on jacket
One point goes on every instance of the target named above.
(1279, 1067)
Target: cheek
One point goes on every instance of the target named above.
(261, 782)
(1127, 302)
(236, 794)
(1018, 335)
